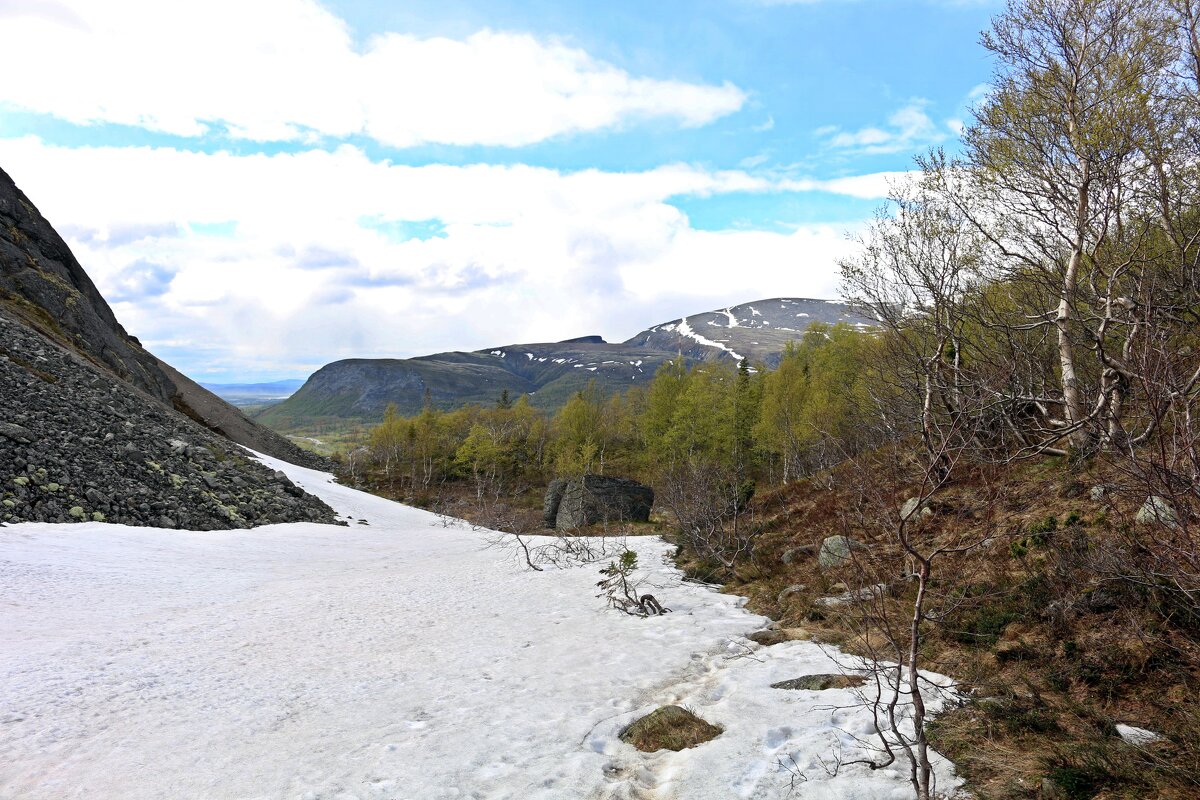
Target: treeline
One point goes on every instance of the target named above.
(744, 422)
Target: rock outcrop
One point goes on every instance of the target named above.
(43, 286)
(78, 445)
(596, 499)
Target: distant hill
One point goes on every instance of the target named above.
(251, 394)
(549, 373)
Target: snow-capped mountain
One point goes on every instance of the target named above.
(549, 373)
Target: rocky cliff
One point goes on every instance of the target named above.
(44, 287)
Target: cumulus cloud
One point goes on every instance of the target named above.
(307, 272)
(289, 70)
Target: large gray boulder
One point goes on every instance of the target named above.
(554, 494)
(596, 499)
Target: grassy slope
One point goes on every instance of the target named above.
(1054, 657)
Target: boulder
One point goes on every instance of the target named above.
(595, 499)
(797, 553)
(15, 432)
(768, 636)
(795, 588)
(554, 493)
(1158, 510)
(910, 507)
(835, 551)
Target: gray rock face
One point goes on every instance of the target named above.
(77, 444)
(836, 551)
(1158, 511)
(596, 499)
(554, 493)
(44, 287)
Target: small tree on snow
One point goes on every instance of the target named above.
(621, 593)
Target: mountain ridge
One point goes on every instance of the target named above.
(548, 373)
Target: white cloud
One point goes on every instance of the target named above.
(288, 70)
(266, 264)
(908, 128)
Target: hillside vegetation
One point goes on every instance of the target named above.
(1001, 482)
(354, 391)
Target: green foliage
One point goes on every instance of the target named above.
(819, 395)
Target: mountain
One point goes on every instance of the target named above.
(249, 394)
(757, 331)
(549, 373)
(94, 427)
(44, 287)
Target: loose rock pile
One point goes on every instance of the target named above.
(77, 444)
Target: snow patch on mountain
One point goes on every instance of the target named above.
(684, 329)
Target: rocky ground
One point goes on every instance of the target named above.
(76, 444)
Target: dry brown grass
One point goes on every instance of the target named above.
(1053, 654)
(669, 728)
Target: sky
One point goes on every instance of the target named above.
(260, 187)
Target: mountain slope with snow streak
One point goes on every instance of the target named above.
(759, 330)
(549, 373)
(396, 659)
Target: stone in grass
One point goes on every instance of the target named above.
(835, 551)
(819, 683)
(1158, 509)
(768, 637)
(669, 728)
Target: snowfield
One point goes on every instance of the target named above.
(398, 659)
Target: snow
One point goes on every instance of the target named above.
(397, 659)
(685, 329)
(733, 321)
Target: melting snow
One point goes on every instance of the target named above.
(686, 330)
(398, 659)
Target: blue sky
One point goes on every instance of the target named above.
(262, 187)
